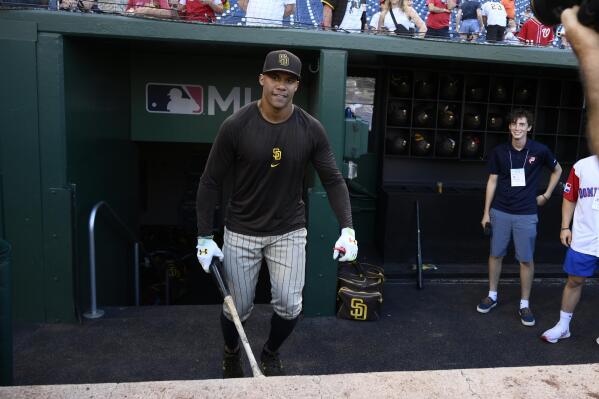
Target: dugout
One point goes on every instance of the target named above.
(79, 126)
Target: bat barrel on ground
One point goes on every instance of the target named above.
(228, 300)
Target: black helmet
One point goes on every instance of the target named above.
(471, 146)
(446, 146)
(421, 145)
(495, 122)
(398, 113)
(447, 118)
(472, 120)
(400, 85)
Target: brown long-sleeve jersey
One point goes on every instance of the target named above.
(268, 163)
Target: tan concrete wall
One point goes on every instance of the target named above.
(543, 382)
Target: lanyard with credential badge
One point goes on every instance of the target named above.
(517, 175)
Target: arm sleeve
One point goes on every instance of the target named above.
(219, 161)
(550, 160)
(324, 163)
(493, 165)
(571, 186)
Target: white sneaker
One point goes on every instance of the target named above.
(555, 334)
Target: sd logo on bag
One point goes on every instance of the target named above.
(360, 292)
(359, 310)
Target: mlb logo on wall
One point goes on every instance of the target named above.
(168, 98)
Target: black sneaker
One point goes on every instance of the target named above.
(270, 363)
(232, 364)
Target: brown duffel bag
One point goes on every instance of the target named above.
(360, 293)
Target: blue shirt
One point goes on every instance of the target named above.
(469, 9)
(533, 157)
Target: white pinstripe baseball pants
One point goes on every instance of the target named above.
(285, 256)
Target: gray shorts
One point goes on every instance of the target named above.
(285, 257)
(470, 26)
(523, 229)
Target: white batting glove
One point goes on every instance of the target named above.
(207, 249)
(346, 245)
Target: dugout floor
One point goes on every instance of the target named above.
(432, 329)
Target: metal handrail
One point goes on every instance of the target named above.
(94, 312)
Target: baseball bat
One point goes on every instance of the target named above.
(419, 282)
(228, 300)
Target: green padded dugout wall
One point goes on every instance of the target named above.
(21, 165)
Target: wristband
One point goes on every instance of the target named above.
(565, 228)
(543, 195)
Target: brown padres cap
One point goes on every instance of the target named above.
(284, 61)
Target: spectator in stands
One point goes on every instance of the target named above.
(348, 15)
(495, 19)
(437, 20)
(562, 41)
(112, 6)
(510, 9)
(469, 21)
(266, 12)
(585, 43)
(534, 32)
(401, 18)
(525, 16)
(374, 20)
(511, 33)
(151, 8)
(78, 5)
(201, 10)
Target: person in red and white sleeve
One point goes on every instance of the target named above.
(534, 32)
(581, 200)
(201, 10)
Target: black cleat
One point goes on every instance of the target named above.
(232, 364)
(270, 363)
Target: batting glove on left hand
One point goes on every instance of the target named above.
(207, 249)
(346, 245)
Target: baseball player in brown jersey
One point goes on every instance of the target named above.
(267, 145)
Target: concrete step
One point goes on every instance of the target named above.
(547, 382)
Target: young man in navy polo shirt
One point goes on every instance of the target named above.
(511, 203)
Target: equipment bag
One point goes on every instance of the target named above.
(360, 293)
